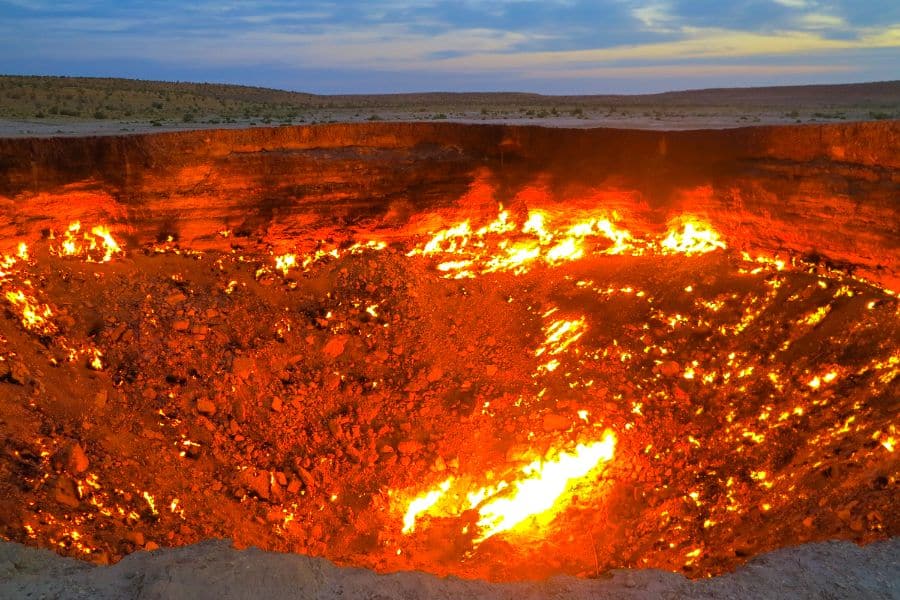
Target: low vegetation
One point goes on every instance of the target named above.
(62, 100)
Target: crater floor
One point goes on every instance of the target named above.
(303, 404)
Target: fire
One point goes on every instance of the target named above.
(538, 490)
(542, 487)
(98, 245)
(422, 503)
(560, 335)
(694, 237)
(285, 263)
(505, 246)
(34, 316)
(289, 261)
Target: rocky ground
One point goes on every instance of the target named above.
(168, 396)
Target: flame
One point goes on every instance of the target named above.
(96, 246)
(560, 335)
(504, 246)
(694, 237)
(422, 503)
(285, 263)
(538, 490)
(34, 316)
(543, 485)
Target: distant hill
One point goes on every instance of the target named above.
(55, 100)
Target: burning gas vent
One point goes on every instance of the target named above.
(490, 390)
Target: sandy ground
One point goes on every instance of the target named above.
(49, 128)
(213, 569)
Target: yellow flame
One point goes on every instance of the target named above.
(536, 491)
(96, 246)
(543, 485)
(285, 263)
(34, 317)
(694, 237)
(502, 246)
(421, 505)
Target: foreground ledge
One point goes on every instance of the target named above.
(213, 569)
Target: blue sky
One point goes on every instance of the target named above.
(548, 46)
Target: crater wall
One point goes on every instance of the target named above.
(828, 190)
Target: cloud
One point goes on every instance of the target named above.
(458, 40)
(695, 43)
(654, 16)
(820, 21)
(793, 3)
(703, 70)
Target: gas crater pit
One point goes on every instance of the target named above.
(493, 352)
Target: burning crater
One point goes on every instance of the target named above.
(492, 352)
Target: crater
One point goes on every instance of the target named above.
(495, 352)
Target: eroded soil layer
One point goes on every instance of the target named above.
(171, 396)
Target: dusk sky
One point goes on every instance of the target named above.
(548, 46)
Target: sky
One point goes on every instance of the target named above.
(384, 46)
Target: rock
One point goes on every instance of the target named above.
(205, 406)
(335, 346)
(669, 368)
(491, 370)
(181, 325)
(257, 482)
(277, 404)
(71, 458)
(66, 492)
(306, 477)
(14, 371)
(78, 460)
(274, 515)
(555, 422)
(409, 447)
(151, 546)
(435, 374)
(135, 537)
(242, 366)
(176, 298)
